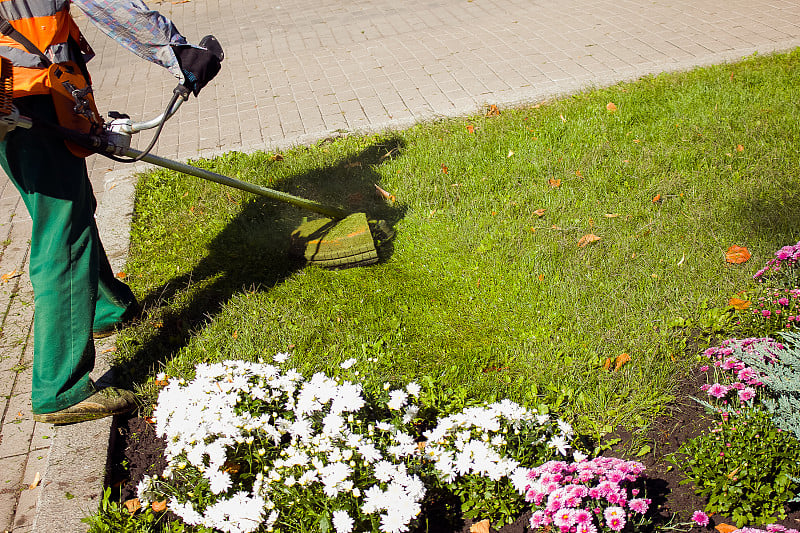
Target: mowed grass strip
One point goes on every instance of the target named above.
(531, 245)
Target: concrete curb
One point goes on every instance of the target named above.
(78, 458)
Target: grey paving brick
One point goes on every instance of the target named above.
(11, 473)
(16, 433)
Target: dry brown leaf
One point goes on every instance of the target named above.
(36, 480)
(470, 128)
(607, 363)
(587, 239)
(725, 528)
(444, 168)
(232, 467)
(539, 212)
(159, 507)
(277, 157)
(737, 254)
(492, 111)
(621, 360)
(739, 148)
(554, 182)
(132, 505)
(739, 304)
(480, 527)
(611, 107)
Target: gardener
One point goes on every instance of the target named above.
(76, 296)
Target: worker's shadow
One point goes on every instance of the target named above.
(252, 254)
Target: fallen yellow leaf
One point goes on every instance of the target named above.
(611, 215)
(739, 148)
(611, 107)
(159, 507)
(470, 128)
(554, 182)
(539, 212)
(492, 111)
(36, 480)
(737, 254)
(656, 198)
(132, 505)
(621, 360)
(385, 194)
(480, 527)
(739, 304)
(10, 275)
(587, 239)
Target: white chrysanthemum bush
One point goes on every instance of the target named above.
(254, 447)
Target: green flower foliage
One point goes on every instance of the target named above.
(745, 467)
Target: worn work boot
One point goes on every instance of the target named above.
(105, 402)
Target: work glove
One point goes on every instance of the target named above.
(199, 65)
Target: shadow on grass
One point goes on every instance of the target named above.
(252, 253)
(769, 210)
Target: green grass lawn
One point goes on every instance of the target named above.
(485, 290)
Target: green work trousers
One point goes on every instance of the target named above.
(74, 288)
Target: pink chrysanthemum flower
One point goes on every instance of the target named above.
(587, 527)
(717, 390)
(564, 518)
(582, 516)
(700, 518)
(639, 505)
(616, 523)
(539, 519)
(747, 394)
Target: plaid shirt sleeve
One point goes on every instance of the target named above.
(141, 30)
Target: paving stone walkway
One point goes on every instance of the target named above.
(297, 71)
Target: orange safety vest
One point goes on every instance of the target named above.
(48, 25)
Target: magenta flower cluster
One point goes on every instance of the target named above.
(585, 496)
(742, 378)
(787, 258)
(772, 528)
(777, 309)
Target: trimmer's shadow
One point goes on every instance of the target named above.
(252, 253)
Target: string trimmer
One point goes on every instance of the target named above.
(342, 239)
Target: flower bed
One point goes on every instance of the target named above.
(259, 447)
